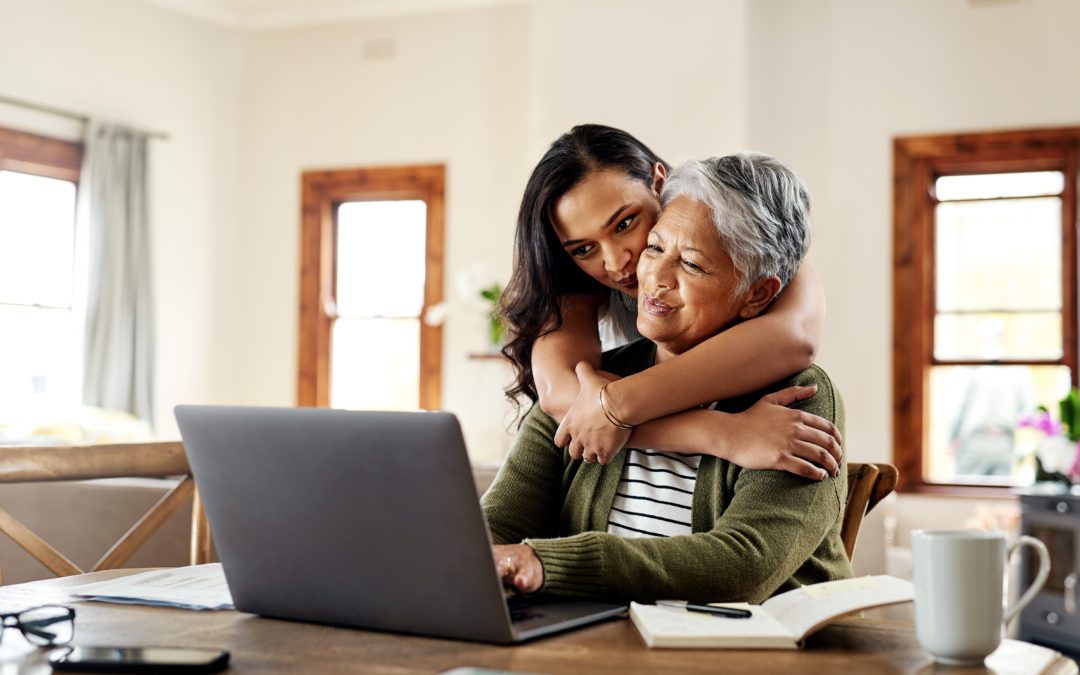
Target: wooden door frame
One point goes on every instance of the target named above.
(322, 192)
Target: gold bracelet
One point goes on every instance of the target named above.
(608, 414)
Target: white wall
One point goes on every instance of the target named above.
(673, 74)
(129, 62)
(831, 83)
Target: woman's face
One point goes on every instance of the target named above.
(687, 279)
(603, 223)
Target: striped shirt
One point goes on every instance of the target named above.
(655, 494)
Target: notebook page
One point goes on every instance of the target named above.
(804, 609)
(676, 627)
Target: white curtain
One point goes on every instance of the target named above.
(119, 339)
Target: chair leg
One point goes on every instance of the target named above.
(42, 551)
(200, 532)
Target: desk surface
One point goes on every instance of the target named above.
(867, 644)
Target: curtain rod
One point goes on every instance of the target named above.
(60, 112)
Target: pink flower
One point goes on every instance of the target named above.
(1041, 421)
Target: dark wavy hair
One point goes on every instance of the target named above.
(543, 271)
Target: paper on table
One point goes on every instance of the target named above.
(1014, 657)
(194, 587)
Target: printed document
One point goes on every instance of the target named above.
(200, 587)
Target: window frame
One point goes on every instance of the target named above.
(45, 156)
(917, 162)
(48, 157)
(322, 193)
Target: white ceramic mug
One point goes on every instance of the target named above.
(959, 576)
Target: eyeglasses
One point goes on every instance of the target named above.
(42, 626)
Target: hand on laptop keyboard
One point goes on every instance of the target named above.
(518, 566)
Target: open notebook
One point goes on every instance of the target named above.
(781, 622)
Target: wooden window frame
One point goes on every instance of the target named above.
(917, 162)
(322, 193)
(30, 153)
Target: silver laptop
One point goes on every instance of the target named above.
(365, 519)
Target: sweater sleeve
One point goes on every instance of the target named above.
(526, 496)
(772, 526)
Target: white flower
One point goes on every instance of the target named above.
(1057, 454)
(437, 314)
(470, 283)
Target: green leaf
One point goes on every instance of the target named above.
(1070, 408)
(492, 292)
(496, 330)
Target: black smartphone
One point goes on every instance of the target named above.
(139, 660)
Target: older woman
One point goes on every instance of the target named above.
(652, 525)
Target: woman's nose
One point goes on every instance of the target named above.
(617, 260)
(655, 274)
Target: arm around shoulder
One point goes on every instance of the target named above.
(555, 355)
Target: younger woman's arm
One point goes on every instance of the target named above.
(555, 355)
(768, 435)
(742, 359)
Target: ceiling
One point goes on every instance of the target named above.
(268, 14)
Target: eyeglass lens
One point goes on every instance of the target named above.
(48, 625)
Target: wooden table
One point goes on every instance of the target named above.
(867, 644)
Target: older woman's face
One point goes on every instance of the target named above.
(686, 279)
(603, 222)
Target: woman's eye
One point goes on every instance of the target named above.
(653, 248)
(581, 251)
(692, 265)
(625, 224)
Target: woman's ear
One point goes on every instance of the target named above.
(759, 296)
(659, 175)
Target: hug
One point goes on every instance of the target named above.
(645, 524)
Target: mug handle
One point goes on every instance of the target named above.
(1040, 578)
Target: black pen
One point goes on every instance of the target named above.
(726, 612)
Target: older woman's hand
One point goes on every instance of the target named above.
(769, 435)
(585, 430)
(519, 567)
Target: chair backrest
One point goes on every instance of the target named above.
(48, 463)
(868, 484)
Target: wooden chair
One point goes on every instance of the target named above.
(45, 463)
(867, 485)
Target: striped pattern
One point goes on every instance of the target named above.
(655, 494)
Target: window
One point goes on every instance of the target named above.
(984, 284)
(371, 266)
(40, 350)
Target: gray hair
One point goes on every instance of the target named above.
(760, 208)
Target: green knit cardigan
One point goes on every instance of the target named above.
(754, 533)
